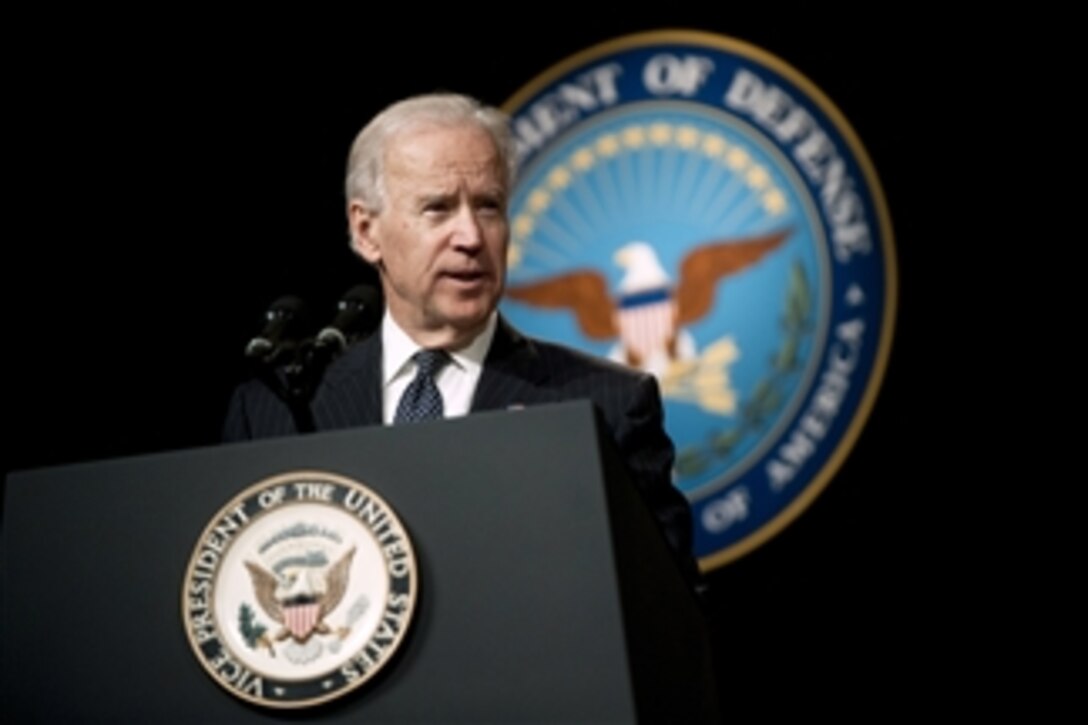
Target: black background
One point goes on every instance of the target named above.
(166, 182)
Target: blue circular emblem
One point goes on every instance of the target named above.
(692, 206)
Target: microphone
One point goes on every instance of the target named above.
(358, 313)
(284, 321)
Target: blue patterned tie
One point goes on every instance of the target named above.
(421, 399)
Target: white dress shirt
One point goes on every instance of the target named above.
(456, 381)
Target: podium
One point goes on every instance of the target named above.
(546, 593)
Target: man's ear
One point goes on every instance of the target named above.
(362, 223)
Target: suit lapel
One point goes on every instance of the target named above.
(353, 388)
(511, 374)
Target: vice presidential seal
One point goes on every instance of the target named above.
(692, 206)
(299, 590)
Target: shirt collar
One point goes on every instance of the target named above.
(398, 348)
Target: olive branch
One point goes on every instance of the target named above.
(769, 394)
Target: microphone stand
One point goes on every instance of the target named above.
(301, 378)
(294, 382)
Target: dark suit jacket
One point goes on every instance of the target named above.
(517, 371)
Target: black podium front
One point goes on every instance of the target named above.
(546, 593)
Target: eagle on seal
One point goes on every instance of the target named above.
(300, 598)
(648, 313)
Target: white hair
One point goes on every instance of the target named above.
(365, 180)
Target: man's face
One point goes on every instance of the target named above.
(441, 236)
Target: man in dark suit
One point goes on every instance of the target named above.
(427, 187)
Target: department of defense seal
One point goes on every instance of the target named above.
(299, 590)
(692, 206)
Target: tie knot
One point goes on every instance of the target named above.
(429, 362)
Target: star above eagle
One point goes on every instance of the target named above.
(648, 313)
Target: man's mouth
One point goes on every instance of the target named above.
(466, 276)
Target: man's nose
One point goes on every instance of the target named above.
(467, 230)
